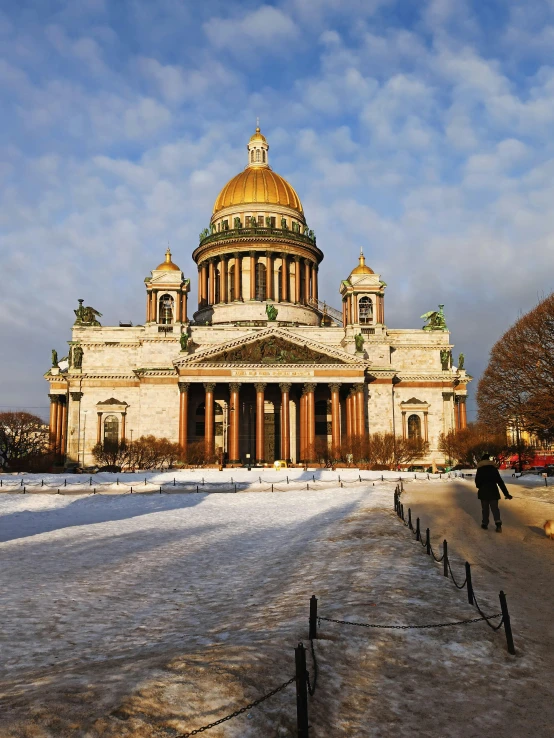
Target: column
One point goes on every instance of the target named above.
(234, 423)
(184, 313)
(351, 419)
(209, 418)
(199, 286)
(59, 420)
(260, 421)
(204, 280)
(457, 412)
(224, 288)
(284, 278)
(355, 309)
(426, 426)
(335, 416)
(307, 272)
(404, 429)
(252, 275)
(344, 312)
(297, 281)
(63, 436)
(463, 413)
(98, 427)
(211, 281)
(123, 424)
(310, 421)
(54, 407)
(183, 414)
(270, 284)
(360, 410)
(285, 420)
(237, 277)
(154, 312)
(314, 281)
(147, 306)
(303, 426)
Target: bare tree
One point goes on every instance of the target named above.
(468, 445)
(23, 439)
(111, 454)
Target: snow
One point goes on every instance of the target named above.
(150, 614)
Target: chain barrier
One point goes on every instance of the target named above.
(312, 688)
(460, 586)
(238, 712)
(409, 627)
(437, 559)
(486, 618)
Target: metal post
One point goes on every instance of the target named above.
(410, 524)
(418, 532)
(428, 542)
(301, 691)
(313, 617)
(507, 623)
(402, 511)
(469, 584)
(445, 557)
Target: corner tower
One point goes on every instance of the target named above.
(258, 260)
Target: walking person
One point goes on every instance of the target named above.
(487, 481)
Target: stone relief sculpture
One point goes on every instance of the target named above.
(435, 320)
(77, 357)
(446, 359)
(273, 351)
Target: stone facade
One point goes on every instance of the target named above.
(264, 368)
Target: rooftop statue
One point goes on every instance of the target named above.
(461, 361)
(435, 320)
(359, 341)
(183, 340)
(271, 311)
(54, 358)
(86, 315)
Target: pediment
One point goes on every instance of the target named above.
(272, 346)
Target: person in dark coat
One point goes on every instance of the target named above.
(487, 481)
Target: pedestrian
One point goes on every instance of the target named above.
(487, 481)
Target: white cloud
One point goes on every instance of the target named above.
(267, 27)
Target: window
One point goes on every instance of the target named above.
(260, 281)
(260, 221)
(366, 310)
(111, 430)
(225, 225)
(232, 283)
(166, 309)
(414, 426)
(272, 221)
(258, 155)
(252, 155)
(263, 155)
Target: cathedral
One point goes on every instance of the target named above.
(262, 369)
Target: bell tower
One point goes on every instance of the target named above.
(166, 296)
(363, 298)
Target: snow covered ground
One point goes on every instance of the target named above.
(150, 615)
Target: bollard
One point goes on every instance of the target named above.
(402, 511)
(469, 584)
(418, 532)
(401, 486)
(440, 476)
(174, 481)
(507, 623)
(359, 477)
(202, 480)
(272, 487)
(428, 542)
(415, 475)
(21, 484)
(307, 486)
(260, 479)
(301, 691)
(445, 557)
(145, 481)
(24, 490)
(235, 488)
(313, 477)
(94, 491)
(41, 483)
(90, 482)
(131, 490)
(410, 524)
(546, 481)
(427, 475)
(313, 617)
(339, 477)
(160, 490)
(395, 501)
(117, 482)
(197, 488)
(65, 482)
(287, 480)
(382, 478)
(58, 491)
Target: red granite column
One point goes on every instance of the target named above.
(252, 275)
(237, 277)
(314, 281)
(209, 419)
(307, 271)
(234, 423)
(335, 416)
(297, 281)
(463, 413)
(285, 421)
(63, 438)
(260, 421)
(284, 278)
(360, 402)
(54, 407)
(303, 426)
(224, 279)
(310, 421)
(183, 414)
(211, 278)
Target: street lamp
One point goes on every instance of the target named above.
(84, 434)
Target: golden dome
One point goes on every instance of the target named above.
(258, 136)
(260, 186)
(362, 267)
(167, 265)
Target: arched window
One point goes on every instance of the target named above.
(263, 155)
(166, 309)
(252, 155)
(258, 155)
(111, 430)
(366, 310)
(260, 281)
(414, 426)
(232, 283)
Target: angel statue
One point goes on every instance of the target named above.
(54, 358)
(461, 361)
(86, 315)
(435, 320)
(183, 340)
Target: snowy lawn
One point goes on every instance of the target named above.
(150, 615)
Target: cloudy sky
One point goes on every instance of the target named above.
(421, 131)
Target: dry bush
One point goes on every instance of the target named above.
(23, 441)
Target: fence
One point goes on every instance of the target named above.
(447, 571)
(25, 486)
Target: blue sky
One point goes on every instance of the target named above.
(421, 131)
